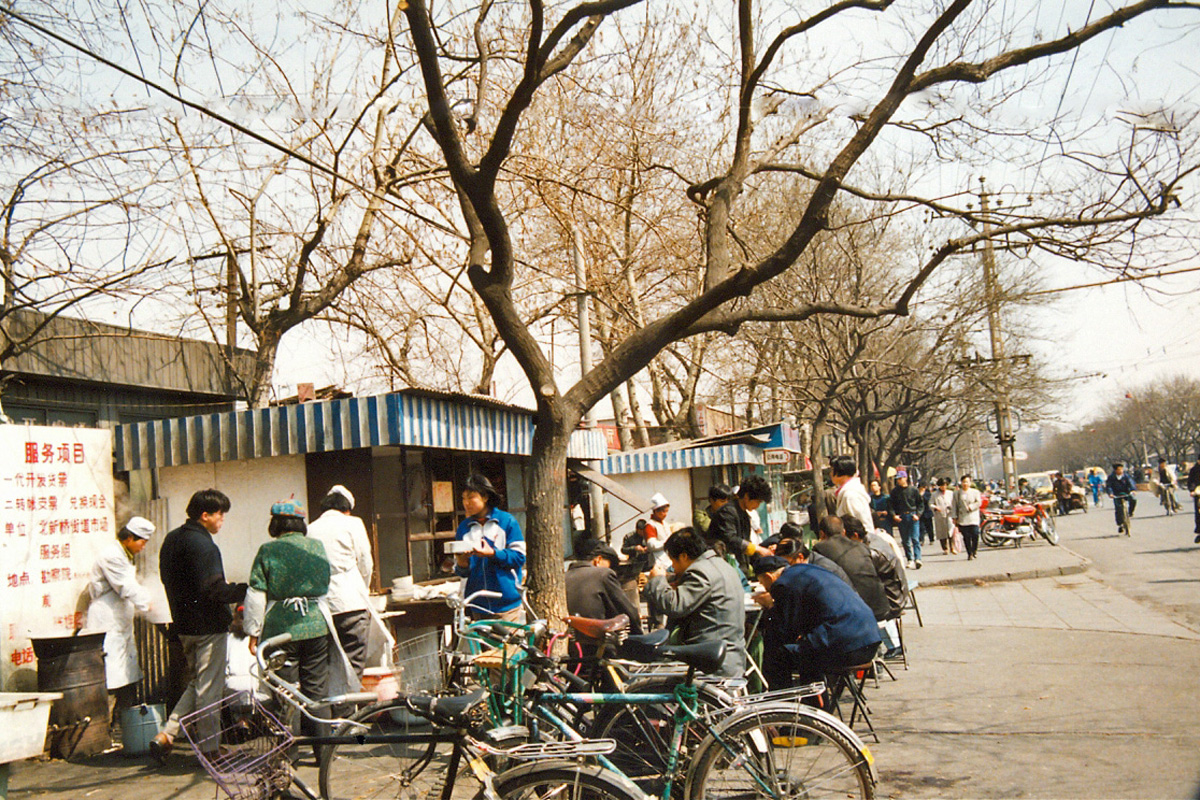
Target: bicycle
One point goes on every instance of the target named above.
(249, 758)
(1122, 502)
(768, 746)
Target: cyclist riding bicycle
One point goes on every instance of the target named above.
(1119, 487)
(1167, 483)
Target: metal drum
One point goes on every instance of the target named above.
(74, 666)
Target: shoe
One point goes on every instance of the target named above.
(917, 563)
(1197, 539)
(910, 565)
(160, 748)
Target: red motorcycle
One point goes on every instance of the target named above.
(1004, 523)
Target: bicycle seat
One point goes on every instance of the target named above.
(704, 656)
(598, 628)
(451, 711)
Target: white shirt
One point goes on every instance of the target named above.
(350, 563)
(852, 499)
(656, 543)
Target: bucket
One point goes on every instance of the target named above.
(74, 666)
(382, 681)
(139, 725)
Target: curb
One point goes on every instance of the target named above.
(996, 577)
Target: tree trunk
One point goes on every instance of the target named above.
(635, 410)
(621, 416)
(258, 392)
(546, 498)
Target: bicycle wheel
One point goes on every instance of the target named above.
(643, 732)
(562, 780)
(781, 752)
(1049, 530)
(377, 770)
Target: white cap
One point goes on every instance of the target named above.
(140, 527)
(344, 492)
(658, 500)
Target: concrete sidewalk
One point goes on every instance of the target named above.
(1037, 559)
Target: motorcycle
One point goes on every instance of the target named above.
(1003, 523)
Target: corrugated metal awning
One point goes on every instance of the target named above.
(393, 419)
(625, 495)
(660, 459)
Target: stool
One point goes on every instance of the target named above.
(846, 679)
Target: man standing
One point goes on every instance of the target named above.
(907, 507)
(193, 576)
(497, 551)
(706, 602)
(939, 506)
(732, 526)
(851, 495)
(1062, 493)
(718, 495)
(116, 595)
(926, 512)
(351, 564)
(965, 510)
(1167, 483)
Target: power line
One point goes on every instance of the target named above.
(317, 165)
(1122, 279)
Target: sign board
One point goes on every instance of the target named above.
(56, 492)
(776, 455)
(1021, 455)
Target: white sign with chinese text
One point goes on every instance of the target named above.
(776, 456)
(56, 497)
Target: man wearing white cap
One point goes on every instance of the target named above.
(116, 596)
(351, 565)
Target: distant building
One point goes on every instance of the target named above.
(97, 375)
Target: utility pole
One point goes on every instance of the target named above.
(1005, 434)
(595, 494)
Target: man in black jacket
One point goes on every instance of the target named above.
(194, 579)
(907, 507)
(731, 524)
(593, 590)
(1193, 482)
(855, 559)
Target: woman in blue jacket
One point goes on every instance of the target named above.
(497, 553)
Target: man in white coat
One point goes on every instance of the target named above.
(116, 596)
(852, 497)
(351, 565)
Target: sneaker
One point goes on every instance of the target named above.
(910, 565)
(1197, 540)
(917, 563)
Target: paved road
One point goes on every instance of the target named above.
(1158, 565)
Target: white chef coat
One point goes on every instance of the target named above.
(350, 561)
(116, 595)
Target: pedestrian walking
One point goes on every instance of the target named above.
(940, 503)
(1193, 487)
(926, 512)
(116, 596)
(965, 512)
(907, 507)
(1062, 492)
(193, 576)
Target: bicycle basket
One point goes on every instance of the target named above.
(242, 746)
(419, 663)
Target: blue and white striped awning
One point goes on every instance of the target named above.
(658, 460)
(393, 419)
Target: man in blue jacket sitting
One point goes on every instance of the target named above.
(497, 552)
(815, 622)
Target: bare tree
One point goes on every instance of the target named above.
(944, 55)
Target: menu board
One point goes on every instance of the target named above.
(56, 493)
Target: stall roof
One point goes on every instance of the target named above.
(734, 447)
(412, 418)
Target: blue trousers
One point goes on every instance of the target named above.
(910, 536)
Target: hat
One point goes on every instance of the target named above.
(289, 508)
(772, 540)
(658, 501)
(765, 564)
(901, 474)
(140, 527)
(606, 552)
(344, 492)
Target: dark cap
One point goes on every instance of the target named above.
(764, 564)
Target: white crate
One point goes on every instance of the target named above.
(23, 717)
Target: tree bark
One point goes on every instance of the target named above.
(546, 502)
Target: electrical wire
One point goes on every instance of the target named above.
(1122, 279)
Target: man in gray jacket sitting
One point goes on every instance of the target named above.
(706, 602)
